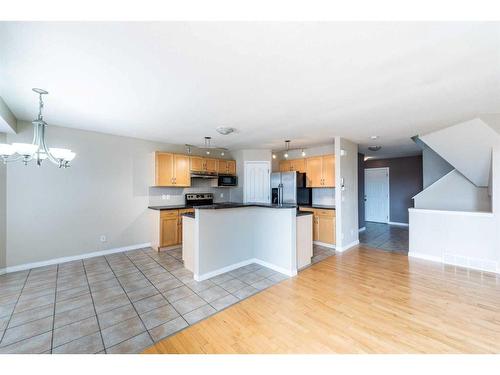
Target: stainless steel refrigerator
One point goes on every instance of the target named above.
(289, 188)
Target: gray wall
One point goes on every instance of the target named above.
(434, 167)
(361, 191)
(405, 181)
(55, 213)
(3, 209)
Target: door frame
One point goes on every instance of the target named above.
(247, 163)
(388, 192)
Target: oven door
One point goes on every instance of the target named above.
(228, 181)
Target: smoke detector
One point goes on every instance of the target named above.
(224, 130)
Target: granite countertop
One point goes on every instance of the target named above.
(162, 208)
(319, 206)
(219, 206)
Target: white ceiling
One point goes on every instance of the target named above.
(176, 82)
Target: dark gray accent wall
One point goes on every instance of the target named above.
(405, 181)
(361, 191)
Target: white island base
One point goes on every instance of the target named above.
(216, 241)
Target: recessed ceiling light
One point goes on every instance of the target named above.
(374, 137)
(224, 130)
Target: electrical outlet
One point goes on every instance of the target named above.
(165, 197)
(103, 238)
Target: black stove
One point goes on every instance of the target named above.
(199, 199)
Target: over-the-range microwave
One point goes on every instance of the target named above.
(227, 180)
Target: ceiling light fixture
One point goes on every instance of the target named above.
(287, 147)
(374, 148)
(224, 130)
(37, 149)
(207, 147)
(374, 137)
(303, 153)
(274, 156)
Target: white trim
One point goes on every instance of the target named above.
(329, 245)
(232, 267)
(450, 212)
(250, 162)
(222, 270)
(388, 193)
(399, 224)
(431, 258)
(362, 229)
(27, 266)
(347, 247)
(284, 271)
(437, 259)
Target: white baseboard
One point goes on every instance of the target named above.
(232, 267)
(222, 270)
(396, 223)
(27, 266)
(431, 258)
(460, 261)
(362, 229)
(284, 271)
(329, 245)
(346, 247)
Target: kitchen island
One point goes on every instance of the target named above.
(223, 237)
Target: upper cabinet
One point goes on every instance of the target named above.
(172, 170)
(175, 169)
(319, 170)
(227, 167)
(297, 165)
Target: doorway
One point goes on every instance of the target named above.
(377, 195)
(257, 187)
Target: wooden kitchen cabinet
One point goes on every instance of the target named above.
(293, 165)
(314, 176)
(169, 229)
(298, 165)
(172, 170)
(231, 167)
(197, 163)
(323, 225)
(210, 165)
(320, 171)
(285, 166)
(227, 167)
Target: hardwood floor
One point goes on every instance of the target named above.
(363, 301)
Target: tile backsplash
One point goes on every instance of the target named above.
(323, 196)
(176, 195)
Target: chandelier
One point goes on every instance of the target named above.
(37, 150)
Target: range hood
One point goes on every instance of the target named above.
(207, 175)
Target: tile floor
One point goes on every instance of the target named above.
(386, 237)
(120, 303)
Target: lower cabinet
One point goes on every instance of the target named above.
(170, 228)
(323, 225)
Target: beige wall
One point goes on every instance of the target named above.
(346, 200)
(3, 209)
(56, 213)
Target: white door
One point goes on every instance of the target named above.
(257, 187)
(377, 195)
